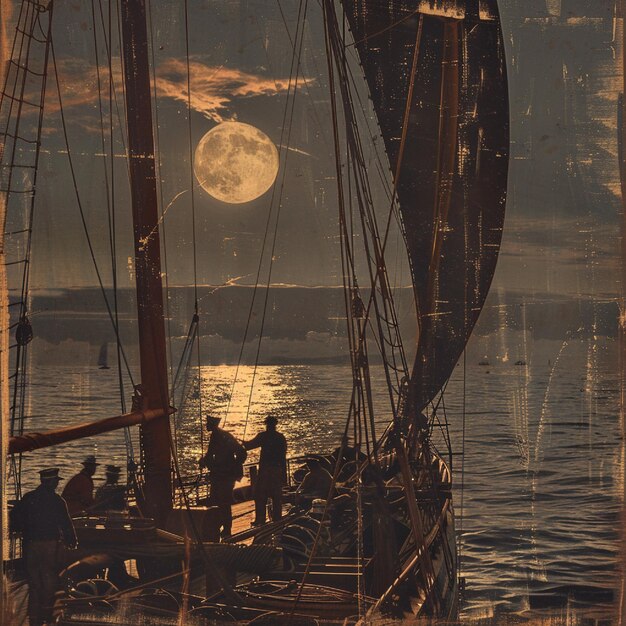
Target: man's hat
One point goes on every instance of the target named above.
(271, 419)
(113, 469)
(49, 474)
(211, 420)
(90, 460)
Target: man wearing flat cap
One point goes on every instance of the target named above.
(272, 470)
(224, 459)
(42, 518)
(111, 496)
(78, 492)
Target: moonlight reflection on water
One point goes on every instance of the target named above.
(542, 470)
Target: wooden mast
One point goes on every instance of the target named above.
(621, 13)
(621, 141)
(155, 435)
(5, 14)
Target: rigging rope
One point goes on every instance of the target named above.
(28, 23)
(191, 178)
(130, 453)
(278, 212)
(320, 126)
(110, 201)
(368, 224)
(82, 213)
(378, 278)
(354, 308)
(193, 222)
(292, 86)
(393, 209)
(179, 386)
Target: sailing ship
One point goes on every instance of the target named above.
(103, 358)
(383, 542)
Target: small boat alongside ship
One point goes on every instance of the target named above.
(382, 543)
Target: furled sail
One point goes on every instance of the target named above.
(449, 155)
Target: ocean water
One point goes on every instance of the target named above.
(538, 462)
(542, 479)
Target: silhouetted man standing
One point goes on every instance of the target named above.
(42, 518)
(224, 460)
(272, 470)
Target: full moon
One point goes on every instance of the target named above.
(235, 162)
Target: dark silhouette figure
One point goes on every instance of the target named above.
(42, 518)
(272, 470)
(111, 496)
(315, 485)
(224, 460)
(78, 493)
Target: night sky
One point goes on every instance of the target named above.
(240, 59)
(561, 233)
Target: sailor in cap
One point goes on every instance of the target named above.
(272, 470)
(111, 496)
(42, 518)
(78, 492)
(224, 460)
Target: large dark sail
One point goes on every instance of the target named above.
(450, 158)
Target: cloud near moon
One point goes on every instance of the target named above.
(213, 89)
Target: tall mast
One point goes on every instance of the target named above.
(621, 13)
(4, 337)
(155, 436)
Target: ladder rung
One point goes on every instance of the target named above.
(16, 303)
(18, 138)
(41, 7)
(4, 94)
(16, 232)
(5, 190)
(16, 262)
(24, 67)
(31, 36)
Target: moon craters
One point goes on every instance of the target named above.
(236, 162)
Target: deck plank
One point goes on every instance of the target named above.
(243, 515)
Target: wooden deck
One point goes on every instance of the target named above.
(243, 516)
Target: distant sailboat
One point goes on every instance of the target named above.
(103, 357)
